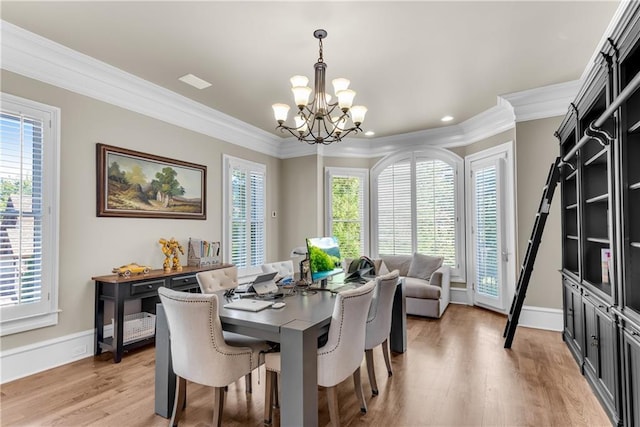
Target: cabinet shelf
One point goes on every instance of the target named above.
(572, 175)
(635, 186)
(635, 127)
(635, 245)
(572, 237)
(599, 158)
(573, 206)
(598, 240)
(598, 199)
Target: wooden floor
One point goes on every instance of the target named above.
(455, 373)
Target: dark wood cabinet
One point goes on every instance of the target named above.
(144, 287)
(600, 189)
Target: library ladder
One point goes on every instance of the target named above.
(532, 251)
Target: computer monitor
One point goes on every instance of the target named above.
(324, 257)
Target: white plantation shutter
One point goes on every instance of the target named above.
(486, 230)
(394, 209)
(257, 205)
(435, 209)
(245, 230)
(417, 205)
(28, 229)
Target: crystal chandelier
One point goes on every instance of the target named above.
(320, 121)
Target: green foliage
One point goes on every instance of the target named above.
(345, 207)
(10, 187)
(167, 183)
(115, 174)
(321, 261)
(136, 176)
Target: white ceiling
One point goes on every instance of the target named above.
(411, 63)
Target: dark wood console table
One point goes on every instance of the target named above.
(119, 289)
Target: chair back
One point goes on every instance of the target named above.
(343, 352)
(217, 280)
(198, 350)
(283, 268)
(379, 319)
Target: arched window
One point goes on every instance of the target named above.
(417, 206)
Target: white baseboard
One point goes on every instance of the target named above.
(541, 318)
(531, 317)
(458, 296)
(31, 359)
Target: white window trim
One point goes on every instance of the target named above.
(45, 313)
(504, 151)
(361, 173)
(228, 162)
(458, 274)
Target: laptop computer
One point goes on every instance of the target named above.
(264, 284)
(248, 304)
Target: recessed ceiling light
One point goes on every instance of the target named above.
(447, 118)
(369, 133)
(194, 81)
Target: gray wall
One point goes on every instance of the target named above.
(536, 149)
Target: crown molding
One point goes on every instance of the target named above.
(36, 57)
(39, 58)
(542, 102)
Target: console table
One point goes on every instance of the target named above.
(119, 289)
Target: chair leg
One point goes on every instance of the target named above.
(268, 396)
(357, 382)
(248, 383)
(385, 353)
(218, 405)
(332, 400)
(371, 371)
(179, 401)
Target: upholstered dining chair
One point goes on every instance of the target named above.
(220, 279)
(340, 357)
(199, 351)
(379, 323)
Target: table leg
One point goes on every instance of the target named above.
(299, 385)
(98, 320)
(118, 327)
(398, 336)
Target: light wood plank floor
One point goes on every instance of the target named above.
(455, 373)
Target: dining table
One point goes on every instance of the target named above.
(296, 327)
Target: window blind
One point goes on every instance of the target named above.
(21, 214)
(248, 208)
(486, 231)
(435, 209)
(394, 209)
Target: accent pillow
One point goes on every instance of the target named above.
(423, 266)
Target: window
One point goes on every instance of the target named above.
(28, 214)
(417, 206)
(245, 207)
(347, 209)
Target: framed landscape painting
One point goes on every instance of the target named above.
(138, 185)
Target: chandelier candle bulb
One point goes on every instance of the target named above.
(340, 84)
(319, 121)
(281, 111)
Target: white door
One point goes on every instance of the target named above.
(488, 255)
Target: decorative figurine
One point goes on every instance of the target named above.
(170, 250)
